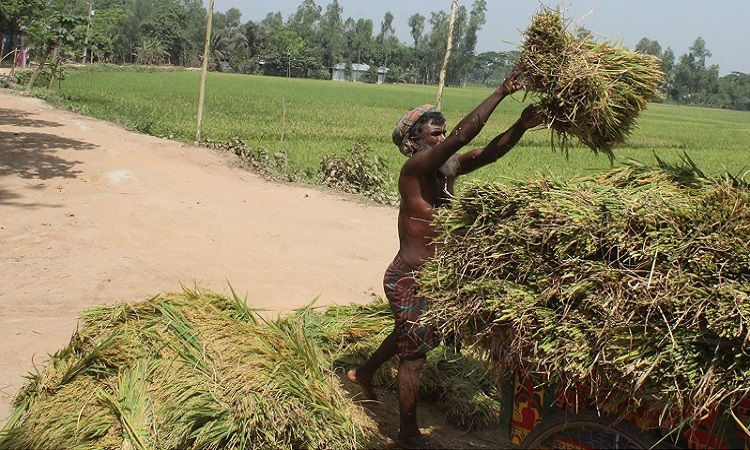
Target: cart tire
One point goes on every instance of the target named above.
(586, 430)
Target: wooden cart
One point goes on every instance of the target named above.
(545, 418)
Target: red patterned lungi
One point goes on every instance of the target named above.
(413, 339)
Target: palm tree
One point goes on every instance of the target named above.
(223, 44)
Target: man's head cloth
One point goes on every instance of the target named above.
(401, 133)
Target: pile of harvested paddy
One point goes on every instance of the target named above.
(634, 284)
(593, 91)
(191, 371)
(197, 370)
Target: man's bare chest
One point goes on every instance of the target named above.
(438, 191)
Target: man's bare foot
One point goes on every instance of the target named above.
(365, 384)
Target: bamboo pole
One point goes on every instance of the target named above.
(443, 69)
(88, 31)
(202, 93)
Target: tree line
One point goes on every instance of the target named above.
(308, 43)
(689, 80)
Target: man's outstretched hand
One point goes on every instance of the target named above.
(513, 82)
(532, 116)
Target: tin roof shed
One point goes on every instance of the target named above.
(349, 72)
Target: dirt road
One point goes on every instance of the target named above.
(91, 213)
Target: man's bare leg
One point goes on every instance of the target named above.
(363, 374)
(409, 435)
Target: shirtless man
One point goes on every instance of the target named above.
(425, 183)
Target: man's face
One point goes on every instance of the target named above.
(431, 135)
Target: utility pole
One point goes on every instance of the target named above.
(88, 29)
(454, 6)
(202, 93)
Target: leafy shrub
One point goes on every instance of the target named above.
(21, 77)
(270, 165)
(356, 174)
(319, 74)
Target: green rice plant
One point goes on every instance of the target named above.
(71, 418)
(465, 386)
(197, 370)
(132, 404)
(353, 332)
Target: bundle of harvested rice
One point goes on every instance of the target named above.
(593, 91)
(634, 283)
(191, 371)
(198, 371)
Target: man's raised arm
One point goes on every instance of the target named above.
(502, 143)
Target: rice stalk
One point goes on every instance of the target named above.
(132, 405)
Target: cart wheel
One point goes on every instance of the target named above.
(586, 430)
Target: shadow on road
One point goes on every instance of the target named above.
(22, 119)
(34, 155)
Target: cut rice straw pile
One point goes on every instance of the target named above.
(197, 370)
(192, 371)
(634, 284)
(593, 91)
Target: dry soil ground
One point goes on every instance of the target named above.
(91, 213)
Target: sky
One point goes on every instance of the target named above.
(723, 24)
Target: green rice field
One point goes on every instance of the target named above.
(311, 119)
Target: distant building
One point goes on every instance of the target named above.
(381, 74)
(349, 72)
